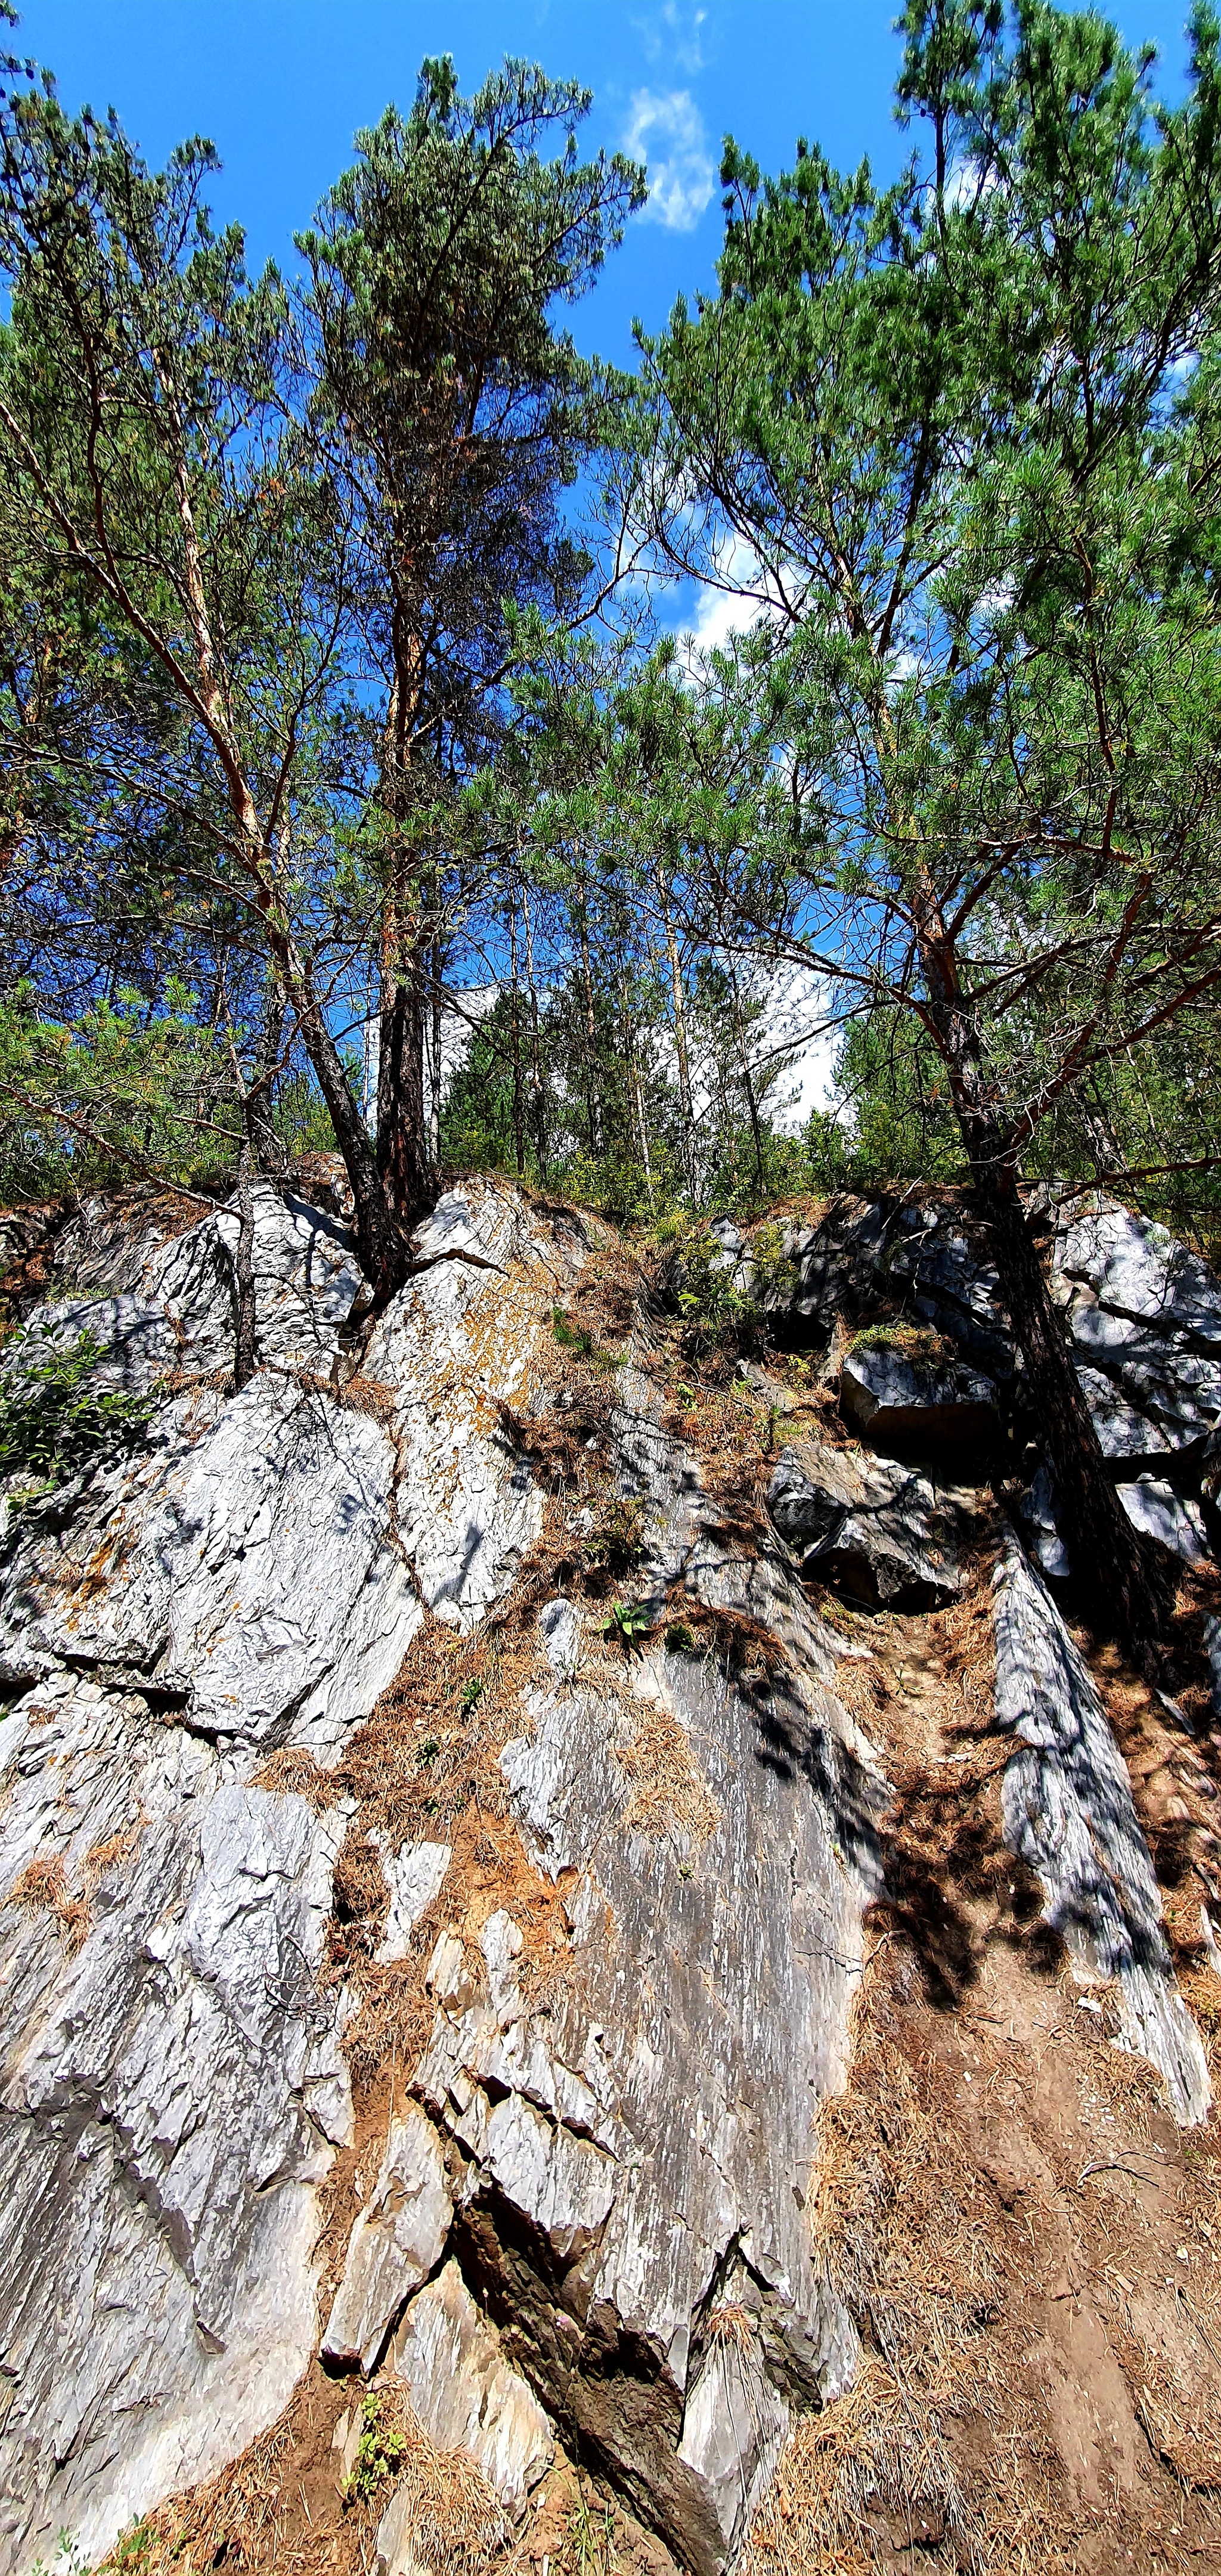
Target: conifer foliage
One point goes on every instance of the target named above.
(357, 792)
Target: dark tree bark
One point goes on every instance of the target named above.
(245, 1307)
(270, 1159)
(1111, 1565)
(404, 1162)
(519, 1136)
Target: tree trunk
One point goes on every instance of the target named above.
(1112, 1567)
(245, 1314)
(686, 1111)
(519, 1142)
(537, 1099)
(266, 1146)
(747, 1083)
(382, 1246)
(592, 1089)
(435, 1059)
(403, 1160)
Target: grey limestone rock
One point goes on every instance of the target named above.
(1154, 1508)
(639, 2152)
(397, 2241)
(1136, 1269)
(414, 1875)
(469, 2398)
(170, 2091)
(174, 2084)
(906, 1405)
(1067, 1808)
(870, 1526)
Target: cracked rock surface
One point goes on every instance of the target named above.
(638, 2153)
(1067, 1807)
(590, 2219)
(173, 2088)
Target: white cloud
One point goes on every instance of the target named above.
(732, 603)
(675, 32)
(666, 131)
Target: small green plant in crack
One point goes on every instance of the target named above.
(617, 1537)
(380, 2454)
(131, 2550)
(578, 1339)
(472, 1693)
(68, 2560)
(680, 1639)
(426, 1753)
(629, 1623)
(591, 2538)
(54, 1418)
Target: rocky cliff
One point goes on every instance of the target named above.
(512, 1834)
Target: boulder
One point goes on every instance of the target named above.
(1137, 1270)
(397, 2241)
(1154, 1508)
(905, 1404)
(1067, 1809)
(870, 1527)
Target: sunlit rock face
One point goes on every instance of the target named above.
(589, 2220)
(249, 1577)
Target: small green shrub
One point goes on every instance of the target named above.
(617, 1537)
(629, 1622)
(680, 1639)
(580, 1341)
(54, 1419)
(380, 2454)
(774, 1267)
(426, 1753)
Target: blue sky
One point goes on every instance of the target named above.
(280, 86)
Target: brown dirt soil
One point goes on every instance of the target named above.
(1029, 2244)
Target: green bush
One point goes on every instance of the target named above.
(54, 1418)
(380, 2454)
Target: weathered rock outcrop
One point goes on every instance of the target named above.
(589, 2222)
(173, 2086)
(1068, 1810)
(904, 1403)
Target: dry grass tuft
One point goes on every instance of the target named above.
(451, 2522)
(292, 1772)
(44, 1883)
(730, 2325)
(668, 1796)
(231, 2516)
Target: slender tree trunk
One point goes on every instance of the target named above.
(519, 1147)
(537, 1098)
(593, 1095)
(747, 1083)
(1111, 1565)
(435, 1004)
(266, 1146)
(404, 1161)
(686, 1112)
